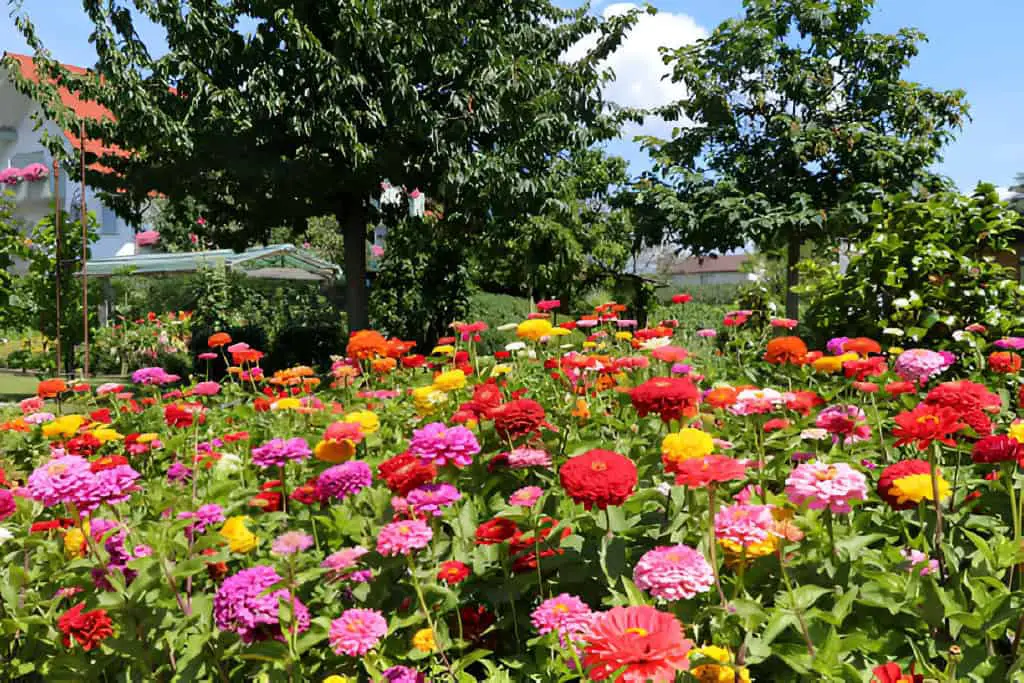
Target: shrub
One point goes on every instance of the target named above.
(929, 267)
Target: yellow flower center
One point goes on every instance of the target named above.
(598, 466)
(637, 631)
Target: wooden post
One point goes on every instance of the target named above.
(85, 258)
(57, 254)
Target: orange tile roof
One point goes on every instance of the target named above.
(83, 109)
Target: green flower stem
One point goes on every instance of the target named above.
(712, 543)
(937, 541)
(430, 620)
(792, 598)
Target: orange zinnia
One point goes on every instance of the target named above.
(218, 339)
(861, 345)
(50, 388)
(786, 351)
(366, 344)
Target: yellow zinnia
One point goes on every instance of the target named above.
(918, 487)
(723, 672)
(147, 437)
(450, 381)
(239, 537)
(427, 399)
(66, 426)
(74, 542)
(832, 364)
(623, 336)
(336, 679)
(366, 419)
(443, 350)
(1017, 431)
(686, 444)
(335, 452)
(534, 330)
(288, 403)
(106, 434)
(501, 369)
(423, 640)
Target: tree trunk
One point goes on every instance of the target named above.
(792, 278)
(354, 221)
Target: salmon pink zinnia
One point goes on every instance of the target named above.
(401, 538)
(822, 485)
(646, 643)
(357, 631)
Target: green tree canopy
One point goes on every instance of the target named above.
(271, 113)
(797, 118)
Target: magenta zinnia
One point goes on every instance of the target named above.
(403, 537)
(673, 572)
(357, 631)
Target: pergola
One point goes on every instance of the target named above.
(274, 262)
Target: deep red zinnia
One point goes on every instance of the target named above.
(404, 472)
(994, 449)
(598, 478)
(926, 424)
(497, 530)
(88, 629)
(971, 401)
(518, 418)
(671, 398)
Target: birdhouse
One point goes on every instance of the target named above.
(417, 204)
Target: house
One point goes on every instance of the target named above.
(21, 148)
(709, 270)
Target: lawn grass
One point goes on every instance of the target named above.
(14, 387)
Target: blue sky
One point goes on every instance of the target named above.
(977, 46)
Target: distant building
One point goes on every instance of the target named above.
(21, 148)
(708, 270)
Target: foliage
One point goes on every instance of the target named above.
(495, 310)
(12, 247)
(801, 118)
(284, 111)
(575, 240)
(50, 263)
(424, 280)
(928, 267)
(152, 340)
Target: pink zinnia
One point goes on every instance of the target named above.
(279, 452)
(548, 304)
(67, 479)
(341, 481)
(522, 458)
(786, 323)
(919, 562)
(707, 333)
(290, 543)
(207, 355)
(433, 498)
(744, 524)
(206, 389)
(756, 402)
(846, 422)
(339, 563)
(673, 572)
(564, 614)
(821, 486)
(920, 365)
(244, 604)
(439, 444)
(643, 643)
(526, 496)
(402, 537)
(357, 631)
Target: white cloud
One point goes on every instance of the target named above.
(638, 66)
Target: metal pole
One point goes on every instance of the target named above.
(85, 268)
(56, 202)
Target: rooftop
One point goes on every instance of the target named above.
(695, 265)
(274, 262)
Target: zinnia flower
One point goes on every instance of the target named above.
(925, 424)
(403, 537)
(452, 572)
(280, 452)
(497, 530)
(290, 543)
(723, 671)
(786, 351)
(673, 572)
(598, 478)
(440, 445)
(366, 345)
(994, 449)
(244, 605)
(433, 498)
(756, 401)
(564, 614)
(357, 631)
(905, 484)
(744, 525)
(240, 539)
(686, 444)
(710, 469)
(844, 422)
(88, 629)
(648, 645)
(972, 402)
(671, 398)
(822, 485)
(518, 418)
(920, 365)
(404, 472)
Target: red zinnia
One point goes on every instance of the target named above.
(925, 424)
(892, 673)
(453, 572)
(899, 470)
(971, 401)
(861, 369)
(497, 530)
(992, 449)
(522, 547)
(671, 398)
(518, 418)
(599, 478)
(898, 388)
(802, 401)
(88, 629)
(1004, 362)
(183, 415)
(404, 472)
(682, 299)
(698, 472)
(101, 415)
(646, 642)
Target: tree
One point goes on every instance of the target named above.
(272, 113)
(796, 119)
(570, 240)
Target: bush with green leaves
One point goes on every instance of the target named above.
(929, 267)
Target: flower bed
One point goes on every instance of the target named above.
(596, 502)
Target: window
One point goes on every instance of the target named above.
(24, 159)
(108, 224)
